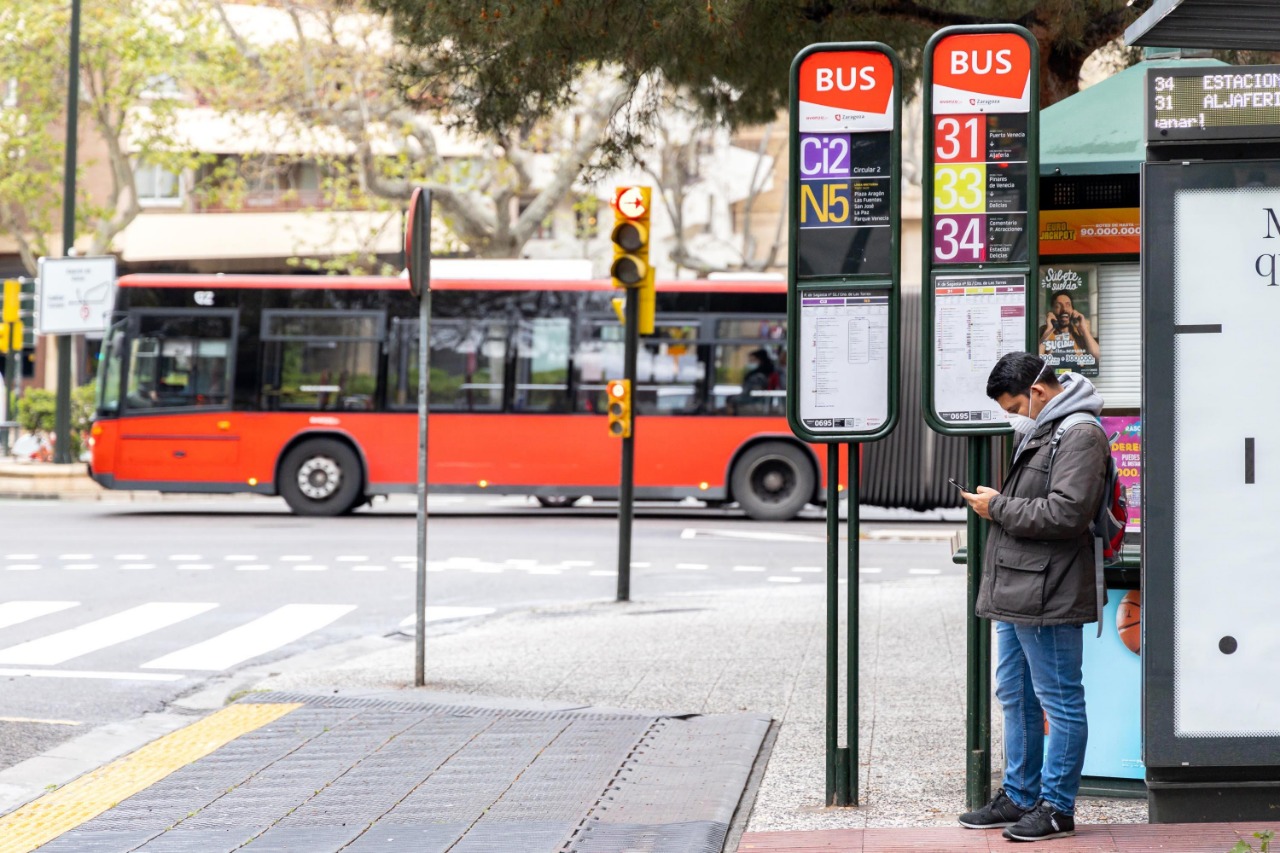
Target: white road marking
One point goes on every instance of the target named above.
(749, 568)
(546, 570)
(184, 558)
(641, 565)
(753, 535)
(101, 633)
(694, 567)
(20, 556)
(578, 564)
(277, 628)
(351, 559)
(251, 567)
(602, 573)
(403, 559)
(296, 558)
(240, 558)
(137, 567)
(73, 673)
(22, 567)
(80, 567)
(194, 567)
(450, 560)
(15, 612)
(808, 570)
(924, 571)
(776, 579)
(869, 571)
(521, 562)
(39, 721)
(130, 557)
(366, 567)
(76, 557)
(441, 613)
(310, 568)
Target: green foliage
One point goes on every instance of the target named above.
(505, 64)
(37, 412)
(1265, 837)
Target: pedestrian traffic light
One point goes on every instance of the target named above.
(630, 238)
(619, 406)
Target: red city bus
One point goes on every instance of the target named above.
(306, 387)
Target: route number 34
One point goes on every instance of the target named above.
(959, 239)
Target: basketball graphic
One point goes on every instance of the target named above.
(1129, 621)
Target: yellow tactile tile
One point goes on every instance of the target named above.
(43, 820)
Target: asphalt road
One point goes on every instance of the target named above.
(108, 610)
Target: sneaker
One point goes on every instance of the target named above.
(1001, 811)
(1041, 823)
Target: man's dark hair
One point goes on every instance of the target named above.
(1016, 372)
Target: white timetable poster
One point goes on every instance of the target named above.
(844, 360)
(977, 319)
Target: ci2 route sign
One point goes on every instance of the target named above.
(843, 268)
(980, 193)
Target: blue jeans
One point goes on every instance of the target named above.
(1038, 672)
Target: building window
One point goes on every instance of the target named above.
(157, 186)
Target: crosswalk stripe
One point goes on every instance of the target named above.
(277, 628)
(14, 612)
(99, 634)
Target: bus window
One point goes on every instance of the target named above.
(542, 366)
(178, 362)
(321, 360)
(112, 361)
(751, 366)
(670, 370)
(466, 365)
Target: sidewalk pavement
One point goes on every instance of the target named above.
(740, 651)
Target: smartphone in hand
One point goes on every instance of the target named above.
(962, 488)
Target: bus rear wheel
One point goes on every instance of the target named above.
(321, 476)
(773, 481)
(558, 501)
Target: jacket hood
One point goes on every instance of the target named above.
(1078, 395)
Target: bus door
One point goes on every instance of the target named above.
(178, 425)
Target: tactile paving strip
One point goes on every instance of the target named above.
(374, 775)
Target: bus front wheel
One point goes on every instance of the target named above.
(321, 476)
(773, 481)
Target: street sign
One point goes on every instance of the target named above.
(843, 270)
(632, 202)
(417, 242)
(981, 180)
(75, 294)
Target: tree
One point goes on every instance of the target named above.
(326, 71)
(131, 53)
(515, 61)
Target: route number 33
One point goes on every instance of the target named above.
(959, 189)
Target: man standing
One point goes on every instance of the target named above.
(1038, 585)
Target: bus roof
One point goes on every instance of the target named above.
(308, 282)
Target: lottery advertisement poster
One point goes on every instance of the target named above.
(1126, 450)
(1067, 330)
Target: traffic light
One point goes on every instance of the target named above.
(630, 238)
(619, 393)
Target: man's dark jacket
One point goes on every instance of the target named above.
(1040, 568)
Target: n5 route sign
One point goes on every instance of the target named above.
(981, 199)
(843, 268)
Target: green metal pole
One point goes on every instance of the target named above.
(984, 645)
(978, 651)
(626, 494)
(852, 656)
(62, 411)
(833, 615)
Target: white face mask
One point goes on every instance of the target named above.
(1022, 424)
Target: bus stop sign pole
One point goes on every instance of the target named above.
(417, 252)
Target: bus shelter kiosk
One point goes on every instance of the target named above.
(1211, 286)
(843, 291)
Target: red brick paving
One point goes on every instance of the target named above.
(1114, 838)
